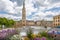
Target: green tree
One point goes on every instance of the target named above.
(4, 21)
(8, 23)
(11, 22)
(0, 22)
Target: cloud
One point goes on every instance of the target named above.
(7, 5)
(35, 9)
(49, 7)
(10, 17)
(54, 1)
(10, 10)
(19, 2)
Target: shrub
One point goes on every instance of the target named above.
(44, 34)
(39, 35)
(33, 35)
(15, 37)
(29, 33)
(26, 38)
(43, 38)
(37, 39)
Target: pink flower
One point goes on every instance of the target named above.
(37, 39)
(7, 33)
(43, 38)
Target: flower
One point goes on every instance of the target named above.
(33, 35)
(26, 38)
(7, 33)
(39, 35)
(43, 38)
(15, 37)
(37, 39)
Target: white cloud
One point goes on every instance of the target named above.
(46, 16)
(13, 8)
(29, 7)
(7, 5)
(46, 4)
(10, 17)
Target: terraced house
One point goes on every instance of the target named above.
(56, 21)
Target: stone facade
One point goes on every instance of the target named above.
(56, 21)
(25, 22)
(34, 23)
(23, 15)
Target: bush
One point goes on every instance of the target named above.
(29, 33)
(33, 35)
(26, 38)
(15, 37)
(44, 34)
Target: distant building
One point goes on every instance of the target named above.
(34, 23)
(25, 22)
(56, 21)
(49, 23)
(30, 23)
(44, 23)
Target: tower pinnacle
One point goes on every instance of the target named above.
(23, 14)
(23, 3)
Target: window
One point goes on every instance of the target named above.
(58, 24)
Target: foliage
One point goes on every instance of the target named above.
(33, 35)
(39, 35)
(29, 33)
(43, 34)
(6, 22)
(26, 38)
(37, 38)
(10, 23)
(43, 38)
(15, 37)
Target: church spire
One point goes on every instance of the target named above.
(24, 4)
(23, 14)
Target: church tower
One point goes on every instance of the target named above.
(23, 14)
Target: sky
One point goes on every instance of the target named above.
(35, 9)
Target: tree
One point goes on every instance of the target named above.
(11, 22)
(8, 23)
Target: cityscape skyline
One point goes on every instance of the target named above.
(35, 10)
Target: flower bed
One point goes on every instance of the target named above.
(12, 34)
(39, 36)
(15, 37)
(6, 33)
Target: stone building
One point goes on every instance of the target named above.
(23, 15)
(56, 21)
(25, 22)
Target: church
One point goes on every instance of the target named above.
(25, 22)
